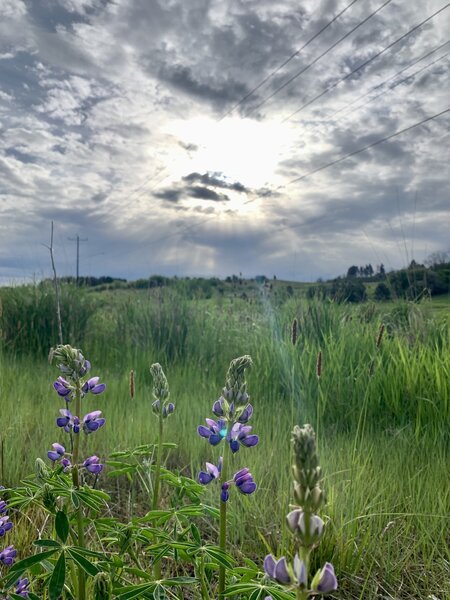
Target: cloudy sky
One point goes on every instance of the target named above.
(181, 136)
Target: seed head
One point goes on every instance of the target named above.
(319, 365)
(132, 384)
(294, 332)
(380, 335)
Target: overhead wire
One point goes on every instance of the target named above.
(408, 66)
(151, 178)
(365, 63)
(288, 60)
(297, 179)
(316, 60)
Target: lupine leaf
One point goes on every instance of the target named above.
(87, 566)
(62, 525)
(47, 543)
(56, 583)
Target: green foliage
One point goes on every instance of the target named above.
(28, 321)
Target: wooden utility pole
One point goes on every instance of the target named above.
(78, 240)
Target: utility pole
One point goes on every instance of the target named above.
(78, 240)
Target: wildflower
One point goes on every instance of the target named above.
(92, 464)
(3, 506)
(66, 464)
(21, 587)
(62, 387)
(285, 574)
(325, 580)
(160, 383)
(216, 432)
(277, 569)
(297, 524)
(168, 410)
(224, 494)
(68, 421)
(244, 481)
(57, 453)
(92, 385)
(212, 472)
(239, 434)
(7, 555)
(5, 525)
(246, 414)
(92, 421)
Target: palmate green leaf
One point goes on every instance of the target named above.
(62, 525)
(87, 566)
(56, 583)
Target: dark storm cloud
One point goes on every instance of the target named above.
(204, 193)
(214, 180)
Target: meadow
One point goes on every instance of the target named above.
(380, 409)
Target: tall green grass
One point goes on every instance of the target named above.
(382, 415)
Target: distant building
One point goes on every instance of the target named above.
(261, 279)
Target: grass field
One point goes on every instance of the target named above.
(382, 414)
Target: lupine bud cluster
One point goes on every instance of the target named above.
(161, 405)
(304, 524)
(233, 411)
(8, 554)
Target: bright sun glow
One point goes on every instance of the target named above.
(241, 149)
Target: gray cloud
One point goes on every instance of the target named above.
(94, 97)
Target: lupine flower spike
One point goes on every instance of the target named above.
(306, 526)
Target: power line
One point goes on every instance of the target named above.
(297, 179)
(250, 93)
(376, 87)
(288, 60)
(372, 145)
(392, 87)
(365, 63)
(304, 69)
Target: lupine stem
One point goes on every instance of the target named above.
(222, 531)
(157, 565)
(76, 483)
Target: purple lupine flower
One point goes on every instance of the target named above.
(246, 414)
(92, 385)
(68, 421)
(57, 453)
(212, 472)
(297, 524)
(244, 481)
(299, 569)
(21, 587)
(215, 432)
(240, 434)
(224, 494)
(62, 387)
(325, 580)
(85, 368)
(7, 555)
(168, 410)
(66, 464)
(5, 525)
(92, 464)
(277, 569)
(3, 506)
(218, 408)
(93, 421)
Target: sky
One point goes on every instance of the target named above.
(192, 137)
